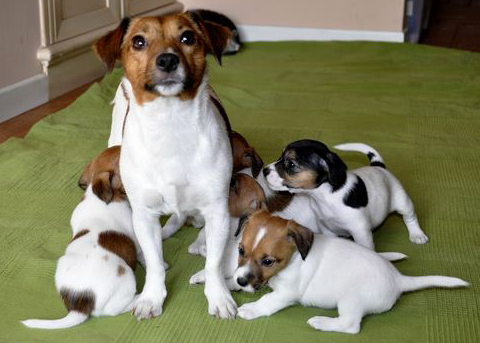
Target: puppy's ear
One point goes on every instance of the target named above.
(302, 237)
(251, 158)
(241, 224)
(83, 181)
(102, 186)
(216, 36)
(337, 170)
(109, 47)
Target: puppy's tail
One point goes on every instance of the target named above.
(375, 159)
(413, 283)
(71, 319)
(393, 256)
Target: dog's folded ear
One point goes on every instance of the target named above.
(102, 186)
(251, 158)
(216, 36)
(109, 47)
(337, 170)
(83, 181)
(241, 224)
(302, 237)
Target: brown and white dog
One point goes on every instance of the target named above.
(96, 274)
(176, 155)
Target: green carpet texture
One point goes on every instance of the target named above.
(418, 106)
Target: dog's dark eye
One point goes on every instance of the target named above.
(267, 262)
(187, 37)
(241, 252)
(290, 164)
(138, 42)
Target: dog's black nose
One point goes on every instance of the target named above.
(167, 62)
(266, 171)
(242, 281)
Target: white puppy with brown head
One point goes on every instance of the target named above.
(316, 270)
(176, 155)
(346, 202)
(96, 277)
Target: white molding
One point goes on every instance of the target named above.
(23, 96)
(253, 33)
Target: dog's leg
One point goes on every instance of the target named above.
(199, 277)
(348, 321)
(363, 235)
(220, 301)
(404, 205)
(173, 224)
(198, 247)
(148, 232)
(266, 305)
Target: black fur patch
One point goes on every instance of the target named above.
(378, 164)
(357, 196)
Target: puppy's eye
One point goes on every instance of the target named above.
(267, 262)
(188, 38)
(138, 42)
(241, 252)
(290, 164)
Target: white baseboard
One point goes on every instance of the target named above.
(252, 33)
(23, 96)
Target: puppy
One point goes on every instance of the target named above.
(346, 202)
(176, 155)
(316, 270)
(96, 274)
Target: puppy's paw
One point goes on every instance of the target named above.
(198, 278)
(145, 307)
(196, 248)
(165, 265)
(248, 311)
(221, 304)
(334, 324)
(419, 238)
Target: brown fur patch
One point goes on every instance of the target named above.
(245, 196)
(304, 179)
(279, 201)
(83, 302)
(119, 244)
(244, 156)
(80, 234)
(120, 270)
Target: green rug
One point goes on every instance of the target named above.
(418, 106)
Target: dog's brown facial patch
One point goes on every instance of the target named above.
(268, 244)
(83, 302)
(119, 244)
(294, 173)
(80, 234)
(120, 270)
(103, 173)
(244, 156)
(246, 196)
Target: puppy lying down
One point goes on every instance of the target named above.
(95, 276)
(317, 270)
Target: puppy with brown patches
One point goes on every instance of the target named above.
(316, 270)
(96, 277)
(176, 156)
(346, 202)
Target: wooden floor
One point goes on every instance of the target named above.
(20, 125)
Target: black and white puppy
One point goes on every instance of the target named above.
(347, 202)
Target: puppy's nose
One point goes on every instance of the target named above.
(242, 281)
(266, 171)
(167, 62)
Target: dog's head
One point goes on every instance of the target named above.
(163, 56)
(267, 246)
(104, 175)
(244, 156)
(306, 164)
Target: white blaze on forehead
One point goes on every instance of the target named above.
(259, 237)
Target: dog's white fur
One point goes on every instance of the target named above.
(385, 195)
(87, 266)
(338, 273)
(176, 158)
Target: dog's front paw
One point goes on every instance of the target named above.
(419, 238)
(249, 311)
(197, 278)
(197, 249)
(221, 304)
(146, 307)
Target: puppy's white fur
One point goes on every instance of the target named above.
(87, 266)
(338, 273)
(385, 195)
(176, 158)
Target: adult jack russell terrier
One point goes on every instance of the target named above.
(95, 276)
(176, 155)
(316, 270)
(347, 203)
